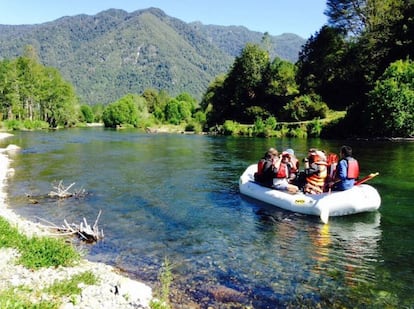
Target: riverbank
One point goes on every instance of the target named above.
(113, 289)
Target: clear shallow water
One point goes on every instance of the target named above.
(176, 197)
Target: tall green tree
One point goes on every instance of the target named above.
(241, 89)
(30, 91)
(328, 65)
(391, 102)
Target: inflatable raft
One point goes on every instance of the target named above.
(361, 198)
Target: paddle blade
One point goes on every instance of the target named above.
(366, 178)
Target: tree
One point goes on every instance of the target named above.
(391, 102)
(30, 91)
(87, 113)
(122, 112)
(328, 65)
(347, 15)
(279, 84)
(230, 96)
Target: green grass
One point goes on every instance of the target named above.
(71, 286)
(35, 253)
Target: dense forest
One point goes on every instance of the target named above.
(360, 62)
(354, 77)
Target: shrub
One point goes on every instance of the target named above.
(391, 102)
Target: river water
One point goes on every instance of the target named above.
(175, 197)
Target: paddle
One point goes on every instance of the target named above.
(366, 178)
(324, 215)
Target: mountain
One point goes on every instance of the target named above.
(112, 53)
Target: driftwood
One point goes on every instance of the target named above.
(63, 192)
(83, 230)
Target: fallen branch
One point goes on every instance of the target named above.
(83, 230)
(61, 191)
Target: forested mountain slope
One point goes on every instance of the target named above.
(114, 52)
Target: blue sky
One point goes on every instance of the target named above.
(302, 17)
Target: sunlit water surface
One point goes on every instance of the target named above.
(176, 197)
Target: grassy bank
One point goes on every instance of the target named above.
(35, 253)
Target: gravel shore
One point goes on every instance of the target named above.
(113, 290)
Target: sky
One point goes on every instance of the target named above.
(302, 17)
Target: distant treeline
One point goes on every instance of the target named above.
(360, 63)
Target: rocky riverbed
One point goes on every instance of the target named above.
(113, 290)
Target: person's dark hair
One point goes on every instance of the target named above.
(346, 151)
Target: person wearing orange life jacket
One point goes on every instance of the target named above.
(316, 172)
(283, 171)
(347, 170)
(265, 168)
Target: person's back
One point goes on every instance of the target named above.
(316, 173)
(347, 170)
(265, 168)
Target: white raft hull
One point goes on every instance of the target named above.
(361, 198)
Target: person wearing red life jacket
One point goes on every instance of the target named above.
(315, 171)
(265, 168)
(283, 168)
(294, 166)
(347, 170)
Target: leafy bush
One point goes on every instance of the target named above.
(231, 127)
(305, 107)
(122, 112)
(87, 113)
(391, 102)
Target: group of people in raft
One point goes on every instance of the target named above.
(322, 172)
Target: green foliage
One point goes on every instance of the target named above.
(45, 252)
(9, 236)
(71, 286)
(314, 128)
(37, 252)
(87, 114)
(298, 132)
(391, 102)
(30, 91)
(165, 278)
(123, 112)
(14, 299)
(305, 107)
(172, 112)
(231, 127)
(97, 111)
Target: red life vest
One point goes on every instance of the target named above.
(260, 166)
(353, 168)
(332, 161)
(294, 164)
(282, 172)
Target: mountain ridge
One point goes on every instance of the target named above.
(112, 53)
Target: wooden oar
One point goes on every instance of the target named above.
(366, 178)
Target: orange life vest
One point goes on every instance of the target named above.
(318, 179)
